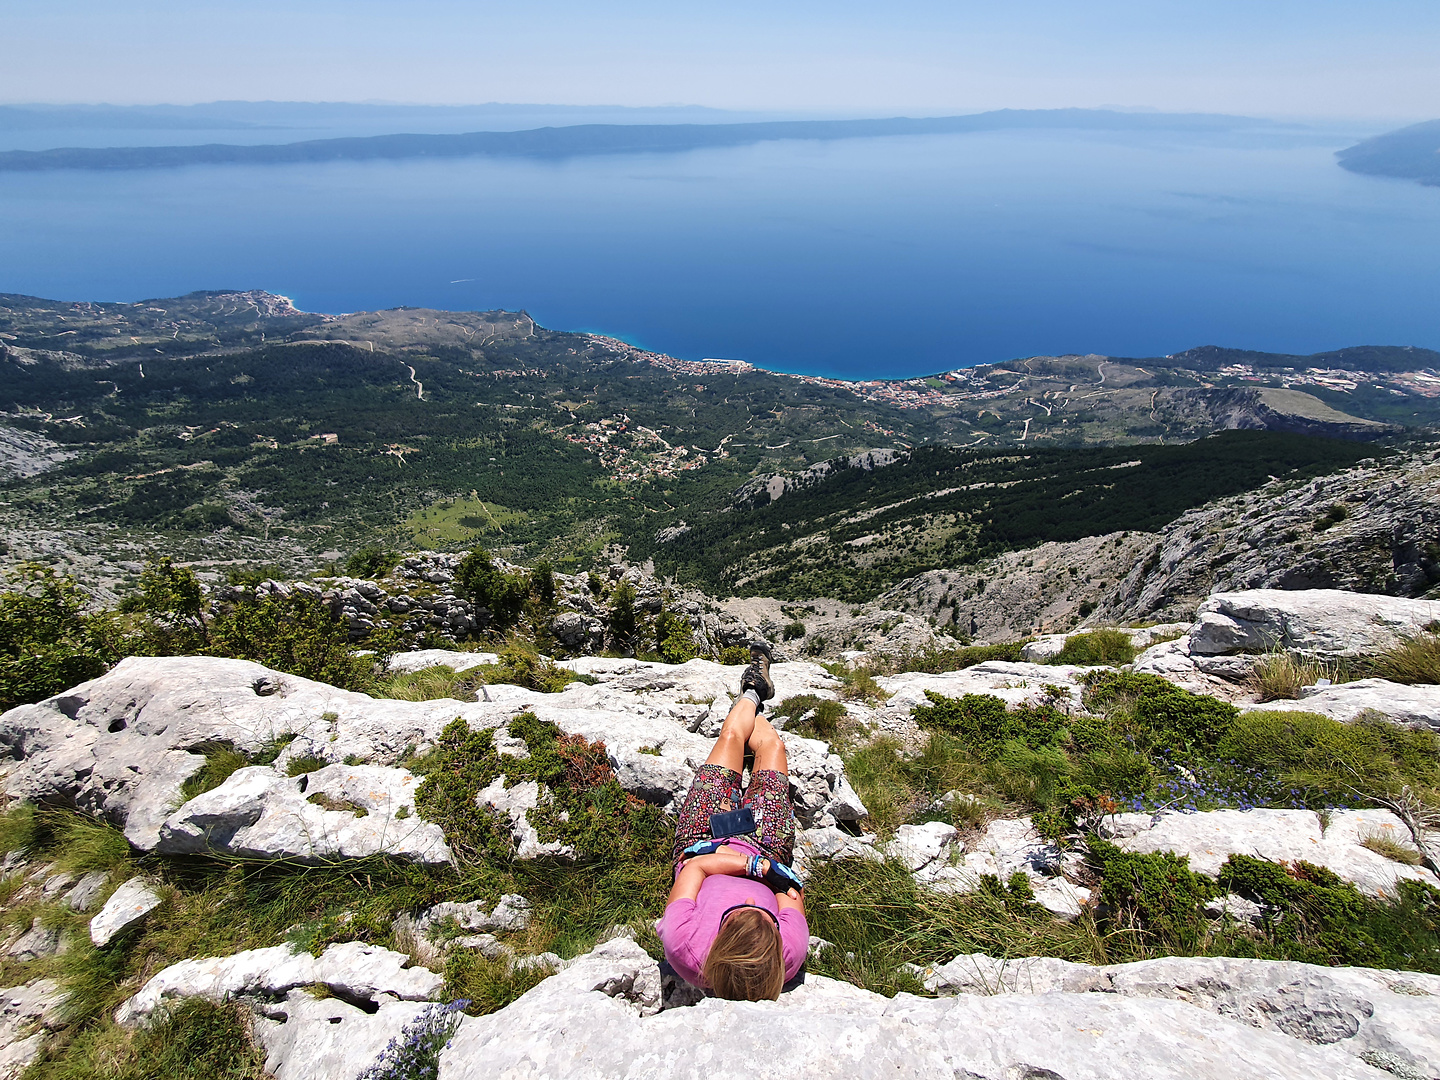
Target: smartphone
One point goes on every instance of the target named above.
(733, 823)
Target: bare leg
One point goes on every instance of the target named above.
(768, 748)
(729, 748)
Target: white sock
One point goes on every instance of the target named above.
(751, 695)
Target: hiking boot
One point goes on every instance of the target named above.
(757, 675)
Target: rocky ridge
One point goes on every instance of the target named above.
(1384, 538)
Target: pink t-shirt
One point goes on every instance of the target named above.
(689, 926)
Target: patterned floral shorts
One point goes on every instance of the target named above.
(717, 789)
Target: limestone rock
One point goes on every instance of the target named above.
(419, 659)
(511, 913)
(1360, 1010)
(27, 1013)
(1314, 622)
(1417, 706)
(1210, 837)
(327, 1039)
(353, 970)
(127, 905)
(34, 943)
(1265, 539)
(1013, 683)
(260, 813)
(123, 744)
(604, 1004)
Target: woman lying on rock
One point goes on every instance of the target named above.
(735, 920)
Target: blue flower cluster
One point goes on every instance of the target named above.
(414, 1054)
(1217, 785)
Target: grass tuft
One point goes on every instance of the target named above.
(1414, 660)
(1391, 849)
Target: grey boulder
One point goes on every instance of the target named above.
(127, 905)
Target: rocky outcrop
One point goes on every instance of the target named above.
(1320, 623)
(27, 1014)
(123, 745)
(1380, 1017)
(354, 971)
(1374, 528)
(825, 1028)
(1235, 631)
(338, 812)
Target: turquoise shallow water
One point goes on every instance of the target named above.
(860, 258)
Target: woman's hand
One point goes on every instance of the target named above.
(694, 872)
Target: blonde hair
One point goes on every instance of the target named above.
(745, 962)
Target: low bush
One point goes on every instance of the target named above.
(1155, 897)
(501, 593)
(813, 715)
(1319, 919)
(1107, 646)
(1156, 711)
(674, 640)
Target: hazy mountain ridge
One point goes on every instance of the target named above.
(579, 139)
(1411, 153)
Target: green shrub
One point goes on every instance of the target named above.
(733, 655)
(298, 635)
(171, 607)
(793, 630)
(624, 620)
(816, 715)
(521, 664)
(47, 643)
(1320, 919)
(984, 723)
(674, 640)
(1414, 660)
(372, 562)
(1158, 711)
(1156, 897)
(1106, 646)
(1333, 763)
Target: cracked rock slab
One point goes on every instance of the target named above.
(353, 970)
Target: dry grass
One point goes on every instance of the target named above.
(1414, 660)
(1391, 848)
(1280, 675)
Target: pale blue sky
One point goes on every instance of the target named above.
(1375, 59)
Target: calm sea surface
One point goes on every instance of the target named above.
(860, 258)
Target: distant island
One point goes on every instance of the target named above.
(1411, 153)
(586, 139)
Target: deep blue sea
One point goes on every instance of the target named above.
(861, 258)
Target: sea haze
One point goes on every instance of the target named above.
(872, 257)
